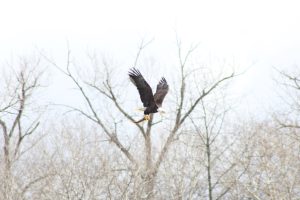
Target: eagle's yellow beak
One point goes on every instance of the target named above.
(147, 117)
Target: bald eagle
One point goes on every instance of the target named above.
(152, 103)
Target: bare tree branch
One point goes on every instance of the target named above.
(95, 117)
(142, 46)
(111, 95)
(204, 93)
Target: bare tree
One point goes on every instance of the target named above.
(272, 162)
(209, 128)
(145, 171)
(290, 93)
(17, 90)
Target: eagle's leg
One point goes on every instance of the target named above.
(147, 117)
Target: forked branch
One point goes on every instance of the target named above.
(94, 116)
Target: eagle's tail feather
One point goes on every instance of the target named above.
(140, 109)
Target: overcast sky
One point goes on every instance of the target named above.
(257, 33)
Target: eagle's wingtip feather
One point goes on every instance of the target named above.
(134, 72)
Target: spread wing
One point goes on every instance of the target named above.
(143, 87)
(161, 91)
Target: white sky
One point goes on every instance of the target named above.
(264, 32)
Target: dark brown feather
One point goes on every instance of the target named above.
(161, 91)
(143, 87)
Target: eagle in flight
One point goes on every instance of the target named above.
(152, 103)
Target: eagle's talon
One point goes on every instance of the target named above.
(147, 117)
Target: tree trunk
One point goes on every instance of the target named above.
(149, 178)
(209, 169)
(6, 153)
(7, 169)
